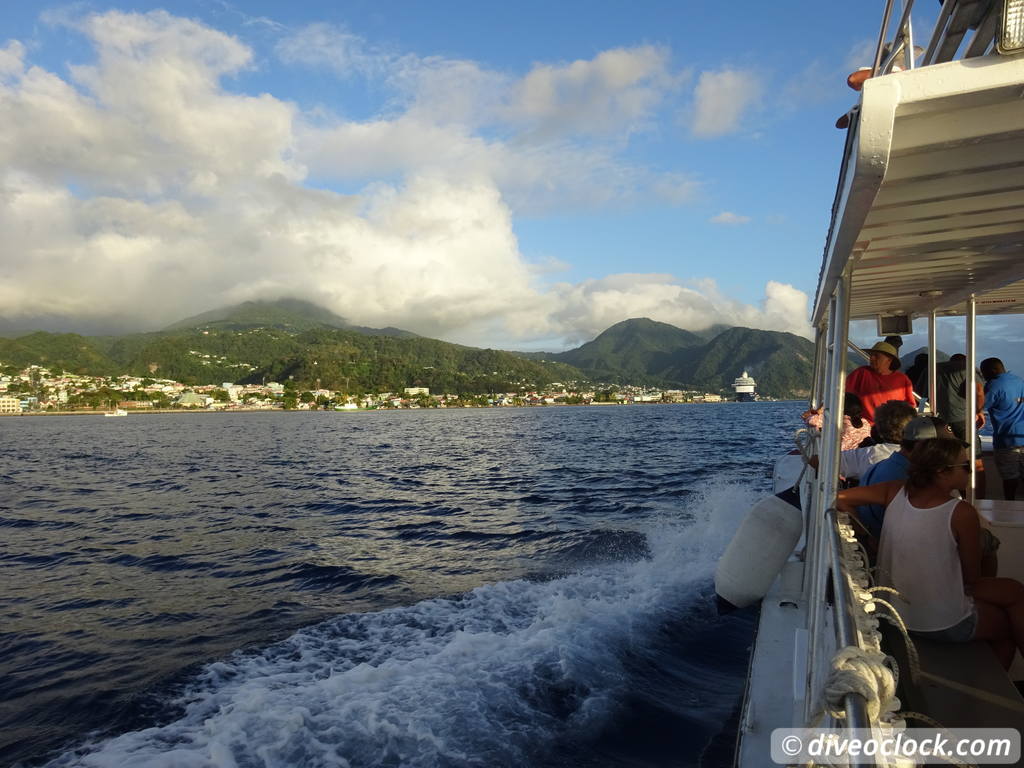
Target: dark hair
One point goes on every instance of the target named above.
(853, 408)
(891, 418)
(992, 367)
(931, 457)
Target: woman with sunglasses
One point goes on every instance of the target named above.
(930, 553)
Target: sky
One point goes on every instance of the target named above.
(513, 175)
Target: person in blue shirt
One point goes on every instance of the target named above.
(1004, 397)
(896, 466)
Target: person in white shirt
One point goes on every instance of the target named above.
(890, 418)
(930, 553)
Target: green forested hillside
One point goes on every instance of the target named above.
(644, 351)
(282, 314)
(63, 351)
(293, 340)
(341, 360)
(781, 363)
(634, 350)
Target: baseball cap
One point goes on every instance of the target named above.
(924, 428)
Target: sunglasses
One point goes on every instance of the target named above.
(965, 466)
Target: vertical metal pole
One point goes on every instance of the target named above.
(828, 476)
(820, 347)
(971, 401)
(932, 362)
(815, 514)
(908, 48)
(881, 37)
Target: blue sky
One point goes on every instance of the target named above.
(513, 175)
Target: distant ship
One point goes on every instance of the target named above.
(744, 388)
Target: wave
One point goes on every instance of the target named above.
(497, 676)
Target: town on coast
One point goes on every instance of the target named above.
(38, 390)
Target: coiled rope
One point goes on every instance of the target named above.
(867, 673)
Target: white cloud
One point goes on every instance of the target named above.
(587, 308)
(142, 187)
(720, 101)
(332, 47)
(615, 91)
(729, 218)
(149, 117)
(11, 59)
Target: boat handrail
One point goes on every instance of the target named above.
(846, 628)
(955, 19)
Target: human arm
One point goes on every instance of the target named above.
(967, 532)
(848, 499)
(979, 419)
(813, 418)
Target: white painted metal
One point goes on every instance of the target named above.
(931, 200)
(971, 400)
(932, 362)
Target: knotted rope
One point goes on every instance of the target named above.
(867, 673)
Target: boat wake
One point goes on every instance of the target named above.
(498, 676)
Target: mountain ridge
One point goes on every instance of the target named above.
(293, 339)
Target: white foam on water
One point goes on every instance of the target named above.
(487, 678)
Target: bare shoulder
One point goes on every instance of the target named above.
(964, 515)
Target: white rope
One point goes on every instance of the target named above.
(936, 724)
(866, 673)
(894, 618)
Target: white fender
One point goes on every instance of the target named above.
(757, 552)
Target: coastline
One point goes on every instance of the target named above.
(164, 411)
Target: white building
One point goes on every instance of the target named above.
(10, 405)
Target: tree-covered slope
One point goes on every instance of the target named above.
(641, 350)
(283, 314)
(633, 350)
(781, 363)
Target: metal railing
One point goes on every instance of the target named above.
(956, 20)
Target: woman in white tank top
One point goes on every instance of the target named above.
(930, 551)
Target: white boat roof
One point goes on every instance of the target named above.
(930, 204)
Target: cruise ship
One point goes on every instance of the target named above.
(743, 386)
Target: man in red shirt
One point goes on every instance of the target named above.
(878, 382)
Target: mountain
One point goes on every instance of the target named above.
(644, 351)
(632, 350)
(295, 340)
(781, 363)
(339, 359)
(282, 314)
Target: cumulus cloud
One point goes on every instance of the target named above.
(587, 308)
(720, 101)
(729, 218)
(11, 59)
(613, 92)
(140, 186)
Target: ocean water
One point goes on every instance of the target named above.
(480, 587)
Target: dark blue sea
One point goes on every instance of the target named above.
(485, 587)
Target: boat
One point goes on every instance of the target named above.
(927, 222)
(743, 386)
(116, 412)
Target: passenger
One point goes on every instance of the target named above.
(951, 405)
(855, 427)
(886, 433)
(918, 374)
(897, 465)
(931, 553)
(1004, 394)
(879, 381)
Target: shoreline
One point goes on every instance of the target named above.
(164, 411)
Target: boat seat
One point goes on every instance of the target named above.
(962, 685)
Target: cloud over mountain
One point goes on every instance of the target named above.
(140, 184)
